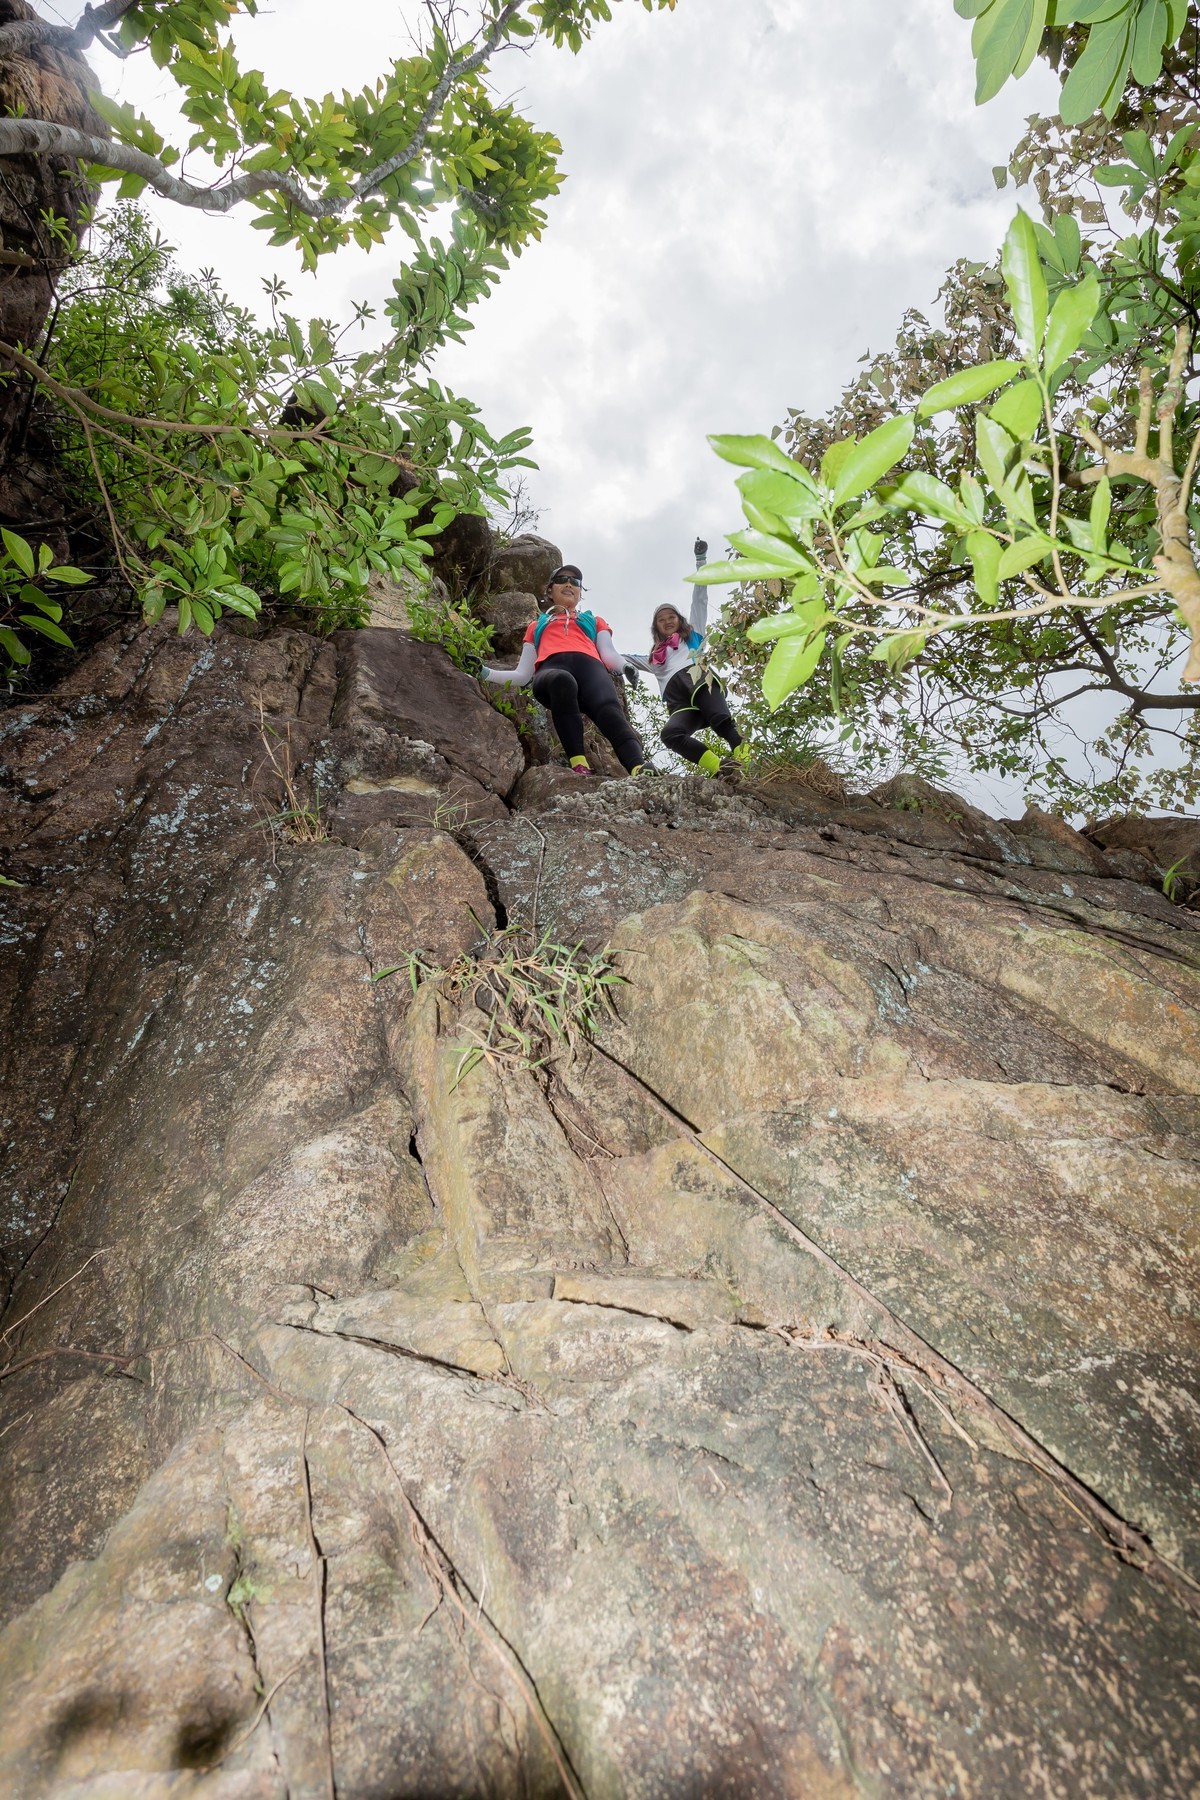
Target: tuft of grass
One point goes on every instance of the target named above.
(1177, 878)
(808, 769)
(297, 820)
(541, 999)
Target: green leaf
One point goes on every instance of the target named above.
(780, 495)
(758, 453)
(1148, 33)
(12, 646)
(994, 447)
(47, 627)
(971, 495)
(19, 551)
(720, 574)
(919, 492)
(966, 387)
(1033, 38)
(761, 547)
(1100, 70)
(64, 572)
(1087, 12)
(883, 576)
(31, 596)
(1073, 313)
(997, 40)
(1066, 230)
(834, 457)
(869, 461)
(1138, 147)
(898, 649)
(1025, 283)
(1024, 554)
(780, 625)
(792, 663)
(1020, 410)
(984, 552)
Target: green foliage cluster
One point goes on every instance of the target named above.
(466, 640)
(539, 999)
(237, 462)
(1119, 37)
(996, 518)
(324, 170)
(30, 583)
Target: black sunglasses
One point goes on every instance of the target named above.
(566, 581)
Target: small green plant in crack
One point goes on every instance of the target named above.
(243, 1592)
(1177, 878)
(540, 999)
(297, 819)
(466, 641)
(25, 604)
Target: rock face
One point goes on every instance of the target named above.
(793, 1393)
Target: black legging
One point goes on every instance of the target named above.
(573, 683)
(692, 703)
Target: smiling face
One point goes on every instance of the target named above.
(564, 591)
(666, 621)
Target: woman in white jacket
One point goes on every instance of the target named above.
(694, 697)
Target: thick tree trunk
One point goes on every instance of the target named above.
(44, 83)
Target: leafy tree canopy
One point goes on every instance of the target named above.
(996, 519)
(233, 462)
(318, 171)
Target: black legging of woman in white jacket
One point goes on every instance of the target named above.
(695, 700)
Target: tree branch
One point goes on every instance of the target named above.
(41, 137)
(1117, 683)
(23, 35)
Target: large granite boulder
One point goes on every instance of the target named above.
(1170, 842)
(793, 1391)
(522, 565)
(509, 614)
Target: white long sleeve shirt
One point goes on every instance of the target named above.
(684, 655)
(561, 633)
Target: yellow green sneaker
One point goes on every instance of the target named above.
(709, 763)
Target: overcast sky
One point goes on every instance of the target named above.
(756, 190)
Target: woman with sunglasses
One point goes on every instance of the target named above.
(568, 655)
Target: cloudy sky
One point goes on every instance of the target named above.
(756, 190)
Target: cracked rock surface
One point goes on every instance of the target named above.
(797, 1393)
